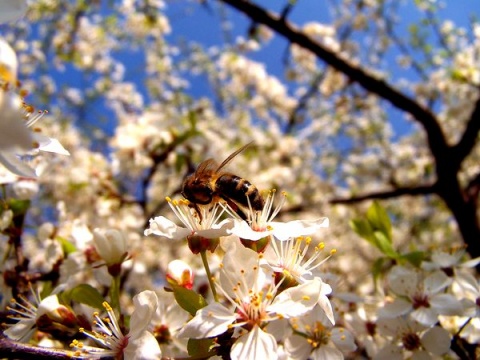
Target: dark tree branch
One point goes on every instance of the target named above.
(389, 194)
(473, 189)
(14, 350)
(447, 185)
(303, 102)
(469, 138)
(424, 116)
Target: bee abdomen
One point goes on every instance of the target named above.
(240, 190)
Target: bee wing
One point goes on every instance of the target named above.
(207, 166)
(228, 159)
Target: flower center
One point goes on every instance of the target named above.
(253, 312)
(318, 335)
(162, 334)
(420, 300)
(411, 341)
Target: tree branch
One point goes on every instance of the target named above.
(473, 189)
(388, 194)
(424, 116)
(13, 350)
(469, 137)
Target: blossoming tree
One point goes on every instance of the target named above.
(349, 239)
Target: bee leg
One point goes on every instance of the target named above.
(241, 214)
(197, 210)
(237, 209)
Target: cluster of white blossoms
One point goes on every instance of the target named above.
(89, 236)
(18, 136)
(261, 297)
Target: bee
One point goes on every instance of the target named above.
(209, 184)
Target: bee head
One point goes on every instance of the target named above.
(197, 191)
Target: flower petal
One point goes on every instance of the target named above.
(389, 352)
(343, 339)
(18, 167)
(14, 134)
(111, 245)
(297, 347)
(327, 353)
(436, 282)
(403, 281)
(163, 227)
(397, 308)
(436, 340)
(144, 347)
(297, 300)
(244, 231)
(211, 320)
(446, 304)
(256, 344)
(50, 145)
(296, 228)
(146, 304)
(425, 316)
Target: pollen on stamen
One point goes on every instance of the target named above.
(168, 199)
(305, 297)
(28, 108)
(333, 251)
(107, 306)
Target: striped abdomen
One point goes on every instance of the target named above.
(239, 190)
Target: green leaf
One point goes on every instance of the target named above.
(46, 290)
(415, 257)
(363, 229)
(19, 207)
(85, 294)
(377, 269)
(200, 348)
(385, 245)
(67, 246)
(193, 119)
(188, 300)
(378, 218)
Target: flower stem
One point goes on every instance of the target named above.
(115, 294)
(209, 274)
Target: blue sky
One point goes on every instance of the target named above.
(201, 24)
